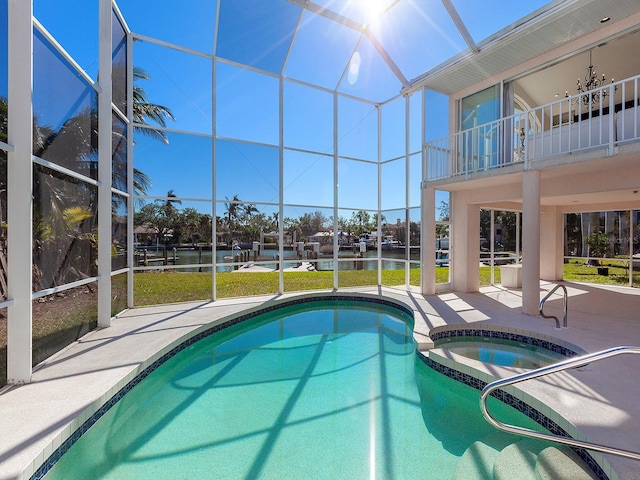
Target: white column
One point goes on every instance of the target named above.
(465, 244)
(531, 242)
(336, 198)
(631, 268)
(130, 189)
(492, 245)
(214, 191)
(428, 260)
(407, 187)
(281, 188)
(379, 213)
(19, 191)
(551, 243)
(104, 164)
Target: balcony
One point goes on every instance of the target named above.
(574, 125)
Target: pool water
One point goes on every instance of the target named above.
(503, 352)
(334, 392)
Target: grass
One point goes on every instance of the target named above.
(169, 287)
(58, 320)
(578, 271)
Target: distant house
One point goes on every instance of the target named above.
(119, 230)
(145, 234)
(325, 238)
(321, 237)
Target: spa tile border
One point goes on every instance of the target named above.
(200, 334)
(520, 336)
(516, 403)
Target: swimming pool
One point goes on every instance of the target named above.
(321, 391)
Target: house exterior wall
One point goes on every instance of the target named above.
(586, 178)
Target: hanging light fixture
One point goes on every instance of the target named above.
(591, 82)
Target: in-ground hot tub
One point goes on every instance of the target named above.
(501, 351)
(505, 347)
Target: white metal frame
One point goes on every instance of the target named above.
(19, 200)
(104, 163)
(21, 163)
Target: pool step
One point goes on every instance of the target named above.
(562, 463)
(518, 460)
(477, 460)
(498, 457)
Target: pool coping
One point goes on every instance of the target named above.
(529, 337)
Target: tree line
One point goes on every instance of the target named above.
(243, 222)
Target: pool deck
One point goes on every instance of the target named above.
(600, 400)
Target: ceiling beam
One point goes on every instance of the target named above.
(336, 17)
(460, 25)
(330, 14)
(387, 58)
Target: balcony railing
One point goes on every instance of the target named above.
(577, 123)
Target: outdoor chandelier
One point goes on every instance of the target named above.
(591, 81)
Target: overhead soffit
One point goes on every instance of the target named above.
(514, 47)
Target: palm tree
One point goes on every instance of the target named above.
(75, 147)
(144, 111)
(249, 209)
(171, 199)
(293, 228)
(232, 209)
(141, 181)
(169, 213)
(204, 227)
(232, 214)
(65, 208)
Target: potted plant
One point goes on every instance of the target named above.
(598, 243)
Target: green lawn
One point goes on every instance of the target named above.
(169, 287)
(618, 272)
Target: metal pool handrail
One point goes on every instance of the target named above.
(574, 362)
(564, 323)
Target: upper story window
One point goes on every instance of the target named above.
(480, 108)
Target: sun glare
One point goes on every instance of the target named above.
(354, 69)
(371, 9)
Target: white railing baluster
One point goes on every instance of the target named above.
(612, 117)
(533, 134)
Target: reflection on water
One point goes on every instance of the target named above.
(225, 258)
(501, 351)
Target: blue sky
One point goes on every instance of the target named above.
(417, 35)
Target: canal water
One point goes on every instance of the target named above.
(225, 259)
